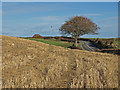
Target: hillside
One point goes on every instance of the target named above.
(32, 64)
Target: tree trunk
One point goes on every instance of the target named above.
(75, 44)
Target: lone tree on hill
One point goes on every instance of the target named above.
(78, 26)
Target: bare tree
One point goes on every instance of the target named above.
(78, 26)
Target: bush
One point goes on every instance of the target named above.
(37, 36)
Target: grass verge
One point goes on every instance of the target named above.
(55, 42)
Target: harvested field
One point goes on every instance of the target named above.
(32, 64)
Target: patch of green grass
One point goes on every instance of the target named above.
(80, 45)
(53, 41)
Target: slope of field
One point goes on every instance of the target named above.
(32, 64)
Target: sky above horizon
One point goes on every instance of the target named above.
(24, 19)
(60, 0)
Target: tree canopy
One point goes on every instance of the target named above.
(79, 26)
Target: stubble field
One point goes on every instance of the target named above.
(32, 64)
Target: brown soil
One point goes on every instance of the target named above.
(32, 64)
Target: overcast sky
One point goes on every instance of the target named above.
(28, 18)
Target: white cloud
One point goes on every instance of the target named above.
(47, 18)
(25, 9)
(109, 26)
(61, 18)
(30, 29)
(45, 25)
(108, 20)
(55, 19)
(94, 14)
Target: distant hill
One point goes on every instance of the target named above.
(32, 64)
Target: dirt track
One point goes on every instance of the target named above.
(32, 64)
